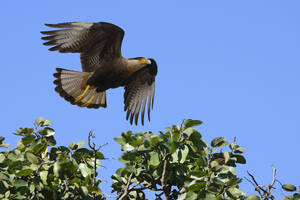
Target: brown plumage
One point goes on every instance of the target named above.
(103, 67)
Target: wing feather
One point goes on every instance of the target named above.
(139, 91)
(95, 41)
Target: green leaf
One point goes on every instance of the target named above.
(235, 192)
(190, 123)
(196, 185)
(296, 196)
(219, 142)
(51, 141)
(126, 170)
(75, 180)
(42, 122)
(154, 140)
(24, 131)
(180, 155)
(46, 123)
(189, 131)
(190, 196)
(28, 139)
(94, 190)
(289, 187)
(1, 139)
(80, 144)
(197, 174)
(136, 142)
(73, 146)
(2, 157)
(44, 175)
(84, 190)
(289, 197)
(232, 145)
(31, 158)
(120, 140)
(56, 169)
(239, 150)
(240, 159)
(85, 170)
(99, 155)
(210, 196)
(24, 172)
(252, 197)
(4, 145)
(20, 183)
(226, 156)
(154, 160)
(127, 147)
(47, 132)
(185, 152)
(82, 153)
(39, 120)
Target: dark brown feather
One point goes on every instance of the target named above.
(95, 41)
(139, 89)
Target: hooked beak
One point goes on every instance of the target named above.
(148, 62)
(145, 61)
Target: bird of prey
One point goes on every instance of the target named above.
(103, 67)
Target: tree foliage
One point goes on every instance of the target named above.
(176, 164)
(38, 169)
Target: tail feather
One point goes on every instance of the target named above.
(71, 84)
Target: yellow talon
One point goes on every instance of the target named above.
(82, 95)
(89, 101)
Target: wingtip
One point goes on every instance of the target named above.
(49, 25)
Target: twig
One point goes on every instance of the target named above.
(36, 130)
(270, 186)
(101, 146)
(43, 163)
(165, 187)
(159, 195)
(181, 131)
(126, 191)
(141, 188)
(257, 186)
(91, 135)
(95, 150)
(265, 189)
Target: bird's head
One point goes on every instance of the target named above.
(137, 63)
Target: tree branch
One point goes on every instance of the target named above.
(265, 189)
(270, 186)
(95, 150)
(43, 163)
(127, 190)
(165, 187)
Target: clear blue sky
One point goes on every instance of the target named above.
(235, 65)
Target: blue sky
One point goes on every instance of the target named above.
(235, 65)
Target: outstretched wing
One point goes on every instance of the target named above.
(139, 90)
(95, 41)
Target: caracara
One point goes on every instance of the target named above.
(103, 67)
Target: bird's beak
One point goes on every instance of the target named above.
(145, 61)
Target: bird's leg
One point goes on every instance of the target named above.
(82, 95)
(90, 100)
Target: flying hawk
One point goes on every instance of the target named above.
(103, 67)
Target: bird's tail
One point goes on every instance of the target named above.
(71, 85)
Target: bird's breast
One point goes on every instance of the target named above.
(110, 75)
